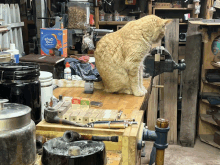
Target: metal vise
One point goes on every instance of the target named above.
(167, 64)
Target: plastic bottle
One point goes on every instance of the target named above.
(14, 53)
(67, 72)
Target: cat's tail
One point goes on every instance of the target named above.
(99, 85)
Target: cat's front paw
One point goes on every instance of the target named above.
(139, 93)
(144, 89)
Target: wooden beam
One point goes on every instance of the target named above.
(171, 81)
(153, 100)
(97, 17)
(190, 86)
(150, 7)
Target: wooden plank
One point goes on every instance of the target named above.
(134, 137)
(217, 137)
(20, 46)
(5, 43)
(216, 118)
(171, 81)
(14, 30)
(209, 139)
(190, 86)
(208, 119)
(97, 17)
(113, 22)
(150, 7)
(153, 100)
(118, 101)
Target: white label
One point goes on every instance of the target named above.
(67, 76)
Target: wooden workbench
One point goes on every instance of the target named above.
(110, 101)
(123, 152)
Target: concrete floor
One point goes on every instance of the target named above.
(201, 154)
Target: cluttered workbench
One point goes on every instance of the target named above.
(122, 152)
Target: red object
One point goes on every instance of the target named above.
(67, 65)
(91, 20)
(76, 100)
(84, 58)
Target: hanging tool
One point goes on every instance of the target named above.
(181, 81)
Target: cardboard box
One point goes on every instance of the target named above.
(85, 104)
(53, 42)
(76, 103)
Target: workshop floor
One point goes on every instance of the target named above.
(201, 154)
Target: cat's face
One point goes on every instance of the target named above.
(160, 29)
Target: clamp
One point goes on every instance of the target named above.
(167, 64)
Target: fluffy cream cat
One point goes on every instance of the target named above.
(119, 55)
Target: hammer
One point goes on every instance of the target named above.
(51, 116)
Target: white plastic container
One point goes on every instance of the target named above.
(14, 53)
(46, 80)
(67, 72)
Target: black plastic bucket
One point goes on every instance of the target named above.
(19, 83)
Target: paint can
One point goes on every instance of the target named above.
(19, 83)
(46, 80)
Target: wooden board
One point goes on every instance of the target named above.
(153, 100)
(109, 100)
(171, 81)
(190, 86)
(113, 22)
(208, 119)
(113, 158)
(209, 139)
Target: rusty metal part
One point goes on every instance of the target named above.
(71, 136)
(161, 123)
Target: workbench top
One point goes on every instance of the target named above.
(109, 100)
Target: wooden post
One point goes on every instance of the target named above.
(208, 6)
(150, 7)
(161, 123)
(171, 81)
(153, 100)
(190, 86)
(97, 17)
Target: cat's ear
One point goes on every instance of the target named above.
(167, 21)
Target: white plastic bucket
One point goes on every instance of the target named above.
(46, 80)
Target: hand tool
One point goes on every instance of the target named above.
(70, 136)
(51, 116)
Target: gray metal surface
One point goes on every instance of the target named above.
(18, 147)
(14, 116)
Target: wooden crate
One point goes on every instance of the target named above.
(128, 138)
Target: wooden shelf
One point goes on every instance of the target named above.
(215, 64)
(208, 119)
(183, 23)
(173, 8)
(211, 83)
(206, 101)
(113, 22)
(209, 139)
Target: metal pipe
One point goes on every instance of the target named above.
(161, 124)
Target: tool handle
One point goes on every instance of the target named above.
(110, 126)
